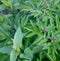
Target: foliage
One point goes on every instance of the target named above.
(29, 30)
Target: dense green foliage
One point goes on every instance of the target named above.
(29, 30)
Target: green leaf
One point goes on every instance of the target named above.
(28, 27)
(28, 53)
(2, 7)
(13, 56)
(50, 58)
(36, 29)
(37, 49)
(42, 55)
(43, 41)
(17, 42)
(7, 3)
(47, 46)
(6, 50)
(38, 39)
(30, 34)
(24, 56)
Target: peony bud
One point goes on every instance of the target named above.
(54, 38)
(45, 30)
(5, 11)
